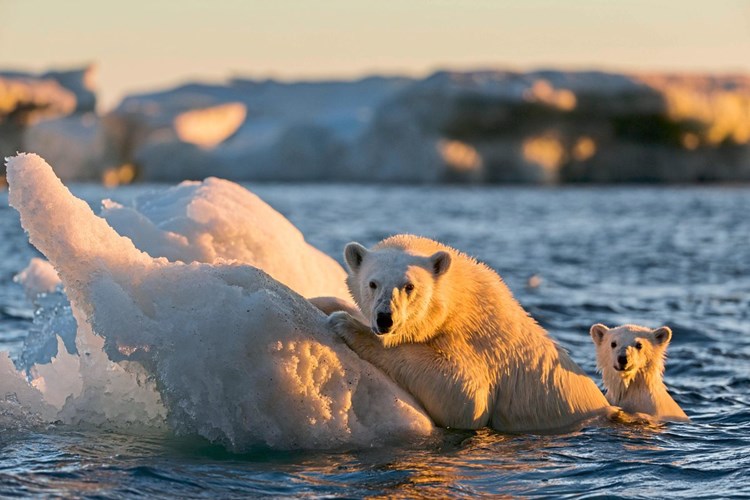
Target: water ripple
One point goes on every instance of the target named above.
(636, 255)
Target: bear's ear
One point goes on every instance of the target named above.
(354, 254)
(440, 262)
(662, 335)
(597, 333)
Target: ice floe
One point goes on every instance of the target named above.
(222, 350)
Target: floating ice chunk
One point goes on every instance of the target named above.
(38, 277)
(53, 319)
(59, 379)
(21, 405)
(207, 221)
(171, 232)
(52, 316)
(88, 388)
(147, 236)
(237, 357)
(113, 394)
(218, 220)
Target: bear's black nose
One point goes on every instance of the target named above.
(384, 321)
(623, 360)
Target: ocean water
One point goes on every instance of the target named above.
(675, 256)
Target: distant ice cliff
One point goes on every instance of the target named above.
(476, 127)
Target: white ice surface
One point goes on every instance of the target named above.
(217, 220)
(21, 405)
(211, 221)
(38, 277)
(220, 350)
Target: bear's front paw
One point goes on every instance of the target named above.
(340, 323)
(348, 328)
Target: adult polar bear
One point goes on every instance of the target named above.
(449, 331)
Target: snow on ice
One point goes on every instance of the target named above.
(219, 348)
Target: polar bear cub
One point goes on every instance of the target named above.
(447, 329)
(631, 360)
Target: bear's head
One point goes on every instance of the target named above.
(398, 291)
(626, 351)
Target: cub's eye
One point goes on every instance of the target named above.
(638, 346)
(409, 287)
(373, 285)
(613, 344)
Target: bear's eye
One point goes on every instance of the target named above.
(409, 287)
(613, 344)
(373, 285)
(638, 346)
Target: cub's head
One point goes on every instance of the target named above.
(627, 350)
(399, 292)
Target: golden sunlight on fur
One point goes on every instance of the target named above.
(448, 330)
(631, 360)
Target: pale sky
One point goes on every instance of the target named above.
(142, 45)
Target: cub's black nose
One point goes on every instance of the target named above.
(623, 360)
(384, 321)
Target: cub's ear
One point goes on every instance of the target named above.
(440, 262)
(597, 333)
(354, 254)
(662, 335)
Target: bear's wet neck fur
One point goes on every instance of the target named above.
(643, 387)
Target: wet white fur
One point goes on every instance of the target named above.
(460, 343)
(639, 387)
(329, 305)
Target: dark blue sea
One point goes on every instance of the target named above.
(649, 255)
